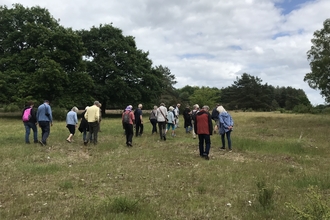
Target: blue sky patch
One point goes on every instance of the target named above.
(287, 6)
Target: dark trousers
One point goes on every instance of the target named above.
(162, 129)
(204, 138)
(138, 128)
(228, 139)
(129, 133)
(45, 130)
(93, 131)
(154, 125)
(28, 126)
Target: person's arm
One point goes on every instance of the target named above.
(210, 123)
(50, 115)
(97, 115)
(141, 117)
(76, 119)
(86, 115)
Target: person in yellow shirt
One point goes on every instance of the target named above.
(92, 116)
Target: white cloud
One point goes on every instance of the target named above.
(209, 43)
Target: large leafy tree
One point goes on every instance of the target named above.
(122, 73)
(319, 57)
(248, 92)
(37, 56)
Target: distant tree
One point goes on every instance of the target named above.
(205, 96)
(248, 92)
(169, 94)
(122, 74)
(319, 57)
(37, 56)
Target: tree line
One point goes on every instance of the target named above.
(40, 59)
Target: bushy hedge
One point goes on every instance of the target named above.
(59, 114)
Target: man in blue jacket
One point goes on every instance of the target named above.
(45, 120)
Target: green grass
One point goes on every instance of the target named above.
(282, 154)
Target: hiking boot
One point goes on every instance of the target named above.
(206, 157)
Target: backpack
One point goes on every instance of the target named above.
(27, 114)
(126, 118)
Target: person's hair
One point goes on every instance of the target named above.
(97, 103)
(46, 101)
(171, 108)
(206, 107)
(155, 107)
(75, 109)
(162, 104)
(221, 109)
(140, 106)
(196, 106)
(29, 103)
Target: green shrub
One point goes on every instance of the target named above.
(59, 114)
(265, 195)
(315, 208)
(301, 109)
(11, 108)
(124, 205)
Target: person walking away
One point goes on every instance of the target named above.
(128, 120)
(45, 121)
(226, 126)
(83, 126)
(71, 123)
(215, 118)
(153, 119)
(171, 121)
(161, 120)
(92, 115)
(204, 128)
(30, 122)
(176, 112)
(138, 121)
(187, 119)
(193, 117)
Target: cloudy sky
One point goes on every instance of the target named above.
(210, 42)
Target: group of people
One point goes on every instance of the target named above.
(196, 121)
(43, 117)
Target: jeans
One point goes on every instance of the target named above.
(85, 133)
(228, 139)
(154, 125)
(93, 131)
(45, 130)
(129, 133)
(28, 126)
(204, 138)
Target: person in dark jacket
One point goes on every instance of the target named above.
(138, 115)
(215, 118)
(204, 128)
(187, 119)
(30, 124)
(84, 127)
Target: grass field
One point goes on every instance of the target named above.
(279, 164)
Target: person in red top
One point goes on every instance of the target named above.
(128, 120)
(203, 127)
